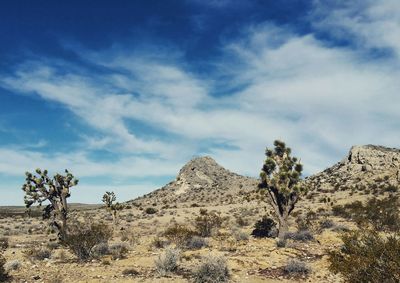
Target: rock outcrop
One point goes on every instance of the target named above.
(202, 180)
(363, 166)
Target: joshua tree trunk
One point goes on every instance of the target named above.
(283, 227)
(62, 213)
(115, 218)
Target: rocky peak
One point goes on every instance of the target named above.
(202, 179)
(364, 165)
(369, 157)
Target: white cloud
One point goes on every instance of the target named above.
(371, 23)
(318, 97)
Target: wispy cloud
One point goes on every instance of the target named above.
(155, 112)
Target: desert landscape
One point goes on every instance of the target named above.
(200, 141)
(201, 227)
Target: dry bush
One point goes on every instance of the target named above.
(130, 272)
(38, 253)
(207, 222)
(302, 236)
(367, 257)
(119, 250)
(381, 214)
(240, 235)
(12, 265)
(196, 243)
(82, 238)
(178, 234)
(212, 269)
(168, 262)
(296, 267)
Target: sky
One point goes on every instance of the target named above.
(124, 93)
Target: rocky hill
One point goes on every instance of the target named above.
(367, 167)
(202, 181)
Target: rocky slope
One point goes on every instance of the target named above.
(365, 167)
(202, 181)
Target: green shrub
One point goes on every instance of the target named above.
(265, 228)
(151, 210)
(178, 234)
(207, 222)
(367, 257)
(82, 238)
(381, 214)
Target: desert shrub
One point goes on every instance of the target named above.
(178, 234)
(240, 235)
(212, 269)
(339, 210)
(52, 245)
(100, 250)
(81, 239)
(207, 222)
(158, 243)
(37, 253)
(151, 210)
(382, 214)
(296, 267)
(130, 272)
(242, 222)
(3, 272)
(306, 222)
(367, 257)
(168, 262)
(391, 189)
(196, 242)
(4, 243)
(281, 243)
(12, 265)
(129, 236)
(340, 228)
(118, 250)
(265, 228)
(59, 255)
(326, 224)
(302, 236)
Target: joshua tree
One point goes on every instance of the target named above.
(281, 178)
(40, 187)
(109, 198)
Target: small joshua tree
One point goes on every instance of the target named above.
(40, 187)
(281, 178)
(113, 207)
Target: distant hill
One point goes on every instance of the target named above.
(202, 181)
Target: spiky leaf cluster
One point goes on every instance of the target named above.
(109, 198)
(40, 187)
(281, 172)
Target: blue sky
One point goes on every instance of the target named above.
(124, 93)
